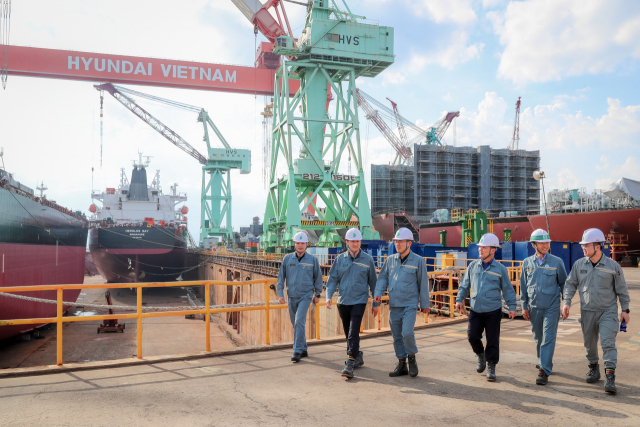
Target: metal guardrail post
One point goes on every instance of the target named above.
(207, 297)
(450, 296)
(266, 314)
(139, 321)
(59, 329)
(318, 320)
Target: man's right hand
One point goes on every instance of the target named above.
(282, 301)
(329, 304)
(374, 311)
(459, 307)
(525, 314)
(376, 299)
(565, 312)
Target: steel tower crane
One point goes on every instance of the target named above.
(515, 140)
(436, 132)
(215, 216)
(334, 48)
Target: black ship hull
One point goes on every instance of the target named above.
(138, 253)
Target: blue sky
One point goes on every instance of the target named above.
(574, 63)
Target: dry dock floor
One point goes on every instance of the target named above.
(265, 388)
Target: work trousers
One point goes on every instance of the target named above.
(351, 316)
(489, 323)
(605, 324)
(298, 308)
(544, 325)
(402, 320)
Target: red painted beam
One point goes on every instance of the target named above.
(122, 69)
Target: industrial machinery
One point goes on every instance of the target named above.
(110, 325)
(215, 216)
(334, 48)
(402, 143)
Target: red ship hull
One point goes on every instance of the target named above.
(520, 230)
(570, 226)
(26, 264)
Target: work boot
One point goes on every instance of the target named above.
(413, 366)
(491, 371)
(348, 368)
(296, 357)
(482, 363)
(543, 378)
(610, 385)
(594, 373)
(304, 354)
(401, 369)
(359, 360)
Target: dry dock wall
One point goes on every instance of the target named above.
(250, 324)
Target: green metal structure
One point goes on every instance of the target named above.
(215, 215)
(474, 226)
(335, 48)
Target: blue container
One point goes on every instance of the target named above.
(523, 250)
(508, 251)
(563, 251)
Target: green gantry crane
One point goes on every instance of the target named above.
(334, 48)
(215, 212)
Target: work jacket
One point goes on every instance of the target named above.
(541, 284)
(408, 283)
(354, 278)
(304, 278)
(599, 287)
(484, 286)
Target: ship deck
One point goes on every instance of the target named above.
(266, 388)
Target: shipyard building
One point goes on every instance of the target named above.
(446, 177)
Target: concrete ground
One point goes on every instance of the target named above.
(162, 335)
(266, 388)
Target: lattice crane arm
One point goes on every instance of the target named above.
(156, 124)
(373, 115)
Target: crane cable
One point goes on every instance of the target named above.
(5, 27)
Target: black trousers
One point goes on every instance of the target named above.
(489, 323)
(351, 316)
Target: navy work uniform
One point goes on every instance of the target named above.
(408, 286)
(354, 278)
(304, 280)
(542, 282)
(483, 282)
(600, 288)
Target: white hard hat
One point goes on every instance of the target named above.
(593, 235)
(353, 234)
(301, 237)
(404, 234)
(540, 235)
(489, 239)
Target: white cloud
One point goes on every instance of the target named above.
(456, 11)
(566, 178)
(487, 125)
(552, 40)
(629, 169)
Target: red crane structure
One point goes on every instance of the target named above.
(513, 145)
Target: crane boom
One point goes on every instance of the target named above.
(403, 151)
(156, 124)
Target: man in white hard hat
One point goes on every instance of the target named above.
(405, 275)
(304, 284)
(601, 284)
(542, 281)
(353, 273)
(483, 281)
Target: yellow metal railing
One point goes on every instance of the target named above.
(59, 320)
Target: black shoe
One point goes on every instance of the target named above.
(401, 369)
(295, 358)
(348, 368)
(594, 373)
(304, 354)
(491, 372)
(610, 385)
(482, 363)
(543, 378)
(413, 366)
(359, 360)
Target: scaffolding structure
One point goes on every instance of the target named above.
(498, 181)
